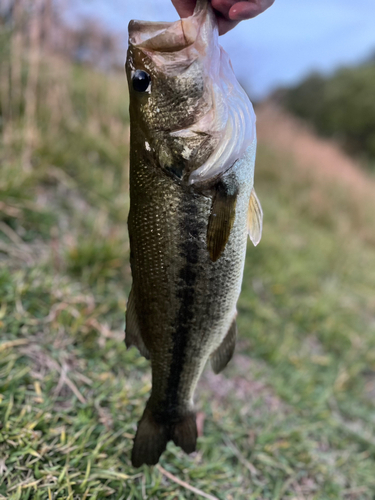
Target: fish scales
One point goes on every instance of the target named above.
(184, 293)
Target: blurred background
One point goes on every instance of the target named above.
(293, 414)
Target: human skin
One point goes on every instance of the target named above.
(228, 12)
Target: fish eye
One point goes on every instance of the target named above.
(141, 80)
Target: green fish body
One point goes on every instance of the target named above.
(192, 205)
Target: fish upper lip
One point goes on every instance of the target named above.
(137, 27)
(160, 36)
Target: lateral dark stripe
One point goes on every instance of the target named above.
(186, 295)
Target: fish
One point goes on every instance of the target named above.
(192, 207)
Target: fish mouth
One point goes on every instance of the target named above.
(163, 37)
(170, 36)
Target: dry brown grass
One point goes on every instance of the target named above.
(334, 179)
(321, 157)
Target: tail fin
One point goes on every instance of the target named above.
(150, 441)
(184, 433)
(152, 437)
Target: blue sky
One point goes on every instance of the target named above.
(279, 47)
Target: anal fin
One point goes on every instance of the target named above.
(132, 331)
(223, 354)
(220, 223)
(255, 218)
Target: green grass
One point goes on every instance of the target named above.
(292, 417)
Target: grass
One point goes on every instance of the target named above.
(293, 415)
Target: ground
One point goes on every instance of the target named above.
(293, 414)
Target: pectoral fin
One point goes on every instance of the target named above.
(255, 218)
(221, 221)
(132, 330)
(223, 354)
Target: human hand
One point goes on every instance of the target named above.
(228, 12)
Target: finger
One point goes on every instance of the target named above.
(247, 10)
(185, 8)
(225, 25)
(223, 6)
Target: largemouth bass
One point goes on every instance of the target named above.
(192, 205)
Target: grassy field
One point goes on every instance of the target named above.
(292, 417)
